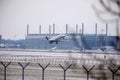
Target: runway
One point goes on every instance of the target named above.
(57, 53)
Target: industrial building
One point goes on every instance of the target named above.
(72, 41)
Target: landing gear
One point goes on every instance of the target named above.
(56, 42)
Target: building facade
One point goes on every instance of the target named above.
(77, 40)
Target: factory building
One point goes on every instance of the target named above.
(72, 41)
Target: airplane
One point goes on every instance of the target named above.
(55, 38)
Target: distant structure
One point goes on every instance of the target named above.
(0, 39)
(77, 40)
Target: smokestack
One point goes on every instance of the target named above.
(53, 28)
(106, 29)
(82, 28)
(96, 35)
(40, 29)
(49, 29)
(76, 28)
(27, 29)
(106, 34)
(66, 28)
(96, 29)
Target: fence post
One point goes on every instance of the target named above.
(43, 69)
(5, 67)
(23, 68)
(65, 70)
(88, 71)
(113, 72)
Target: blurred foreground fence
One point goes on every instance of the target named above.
(25, 67)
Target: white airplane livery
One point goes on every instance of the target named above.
(55, 38)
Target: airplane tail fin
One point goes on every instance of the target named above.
(47, 38)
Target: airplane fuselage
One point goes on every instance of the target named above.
(56, 39)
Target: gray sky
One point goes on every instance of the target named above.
(16, 14)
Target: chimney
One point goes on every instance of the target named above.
(49, 29)
(96, 29)
(76, 28)
(106, 29)
(53, 28)
(40, 29)
(82, 28)
(96, 35)
(66, 28)
(27, 29)
(106, 34)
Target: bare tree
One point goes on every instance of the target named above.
(110, 8)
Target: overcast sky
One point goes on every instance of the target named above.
(16, 14)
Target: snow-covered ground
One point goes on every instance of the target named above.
(60, 53)
(63, 54)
